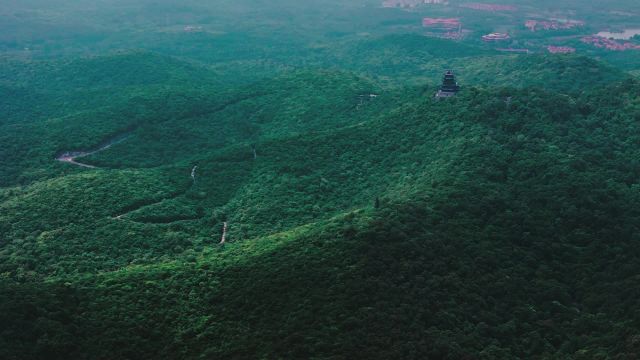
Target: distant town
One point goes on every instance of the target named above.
(454, 28)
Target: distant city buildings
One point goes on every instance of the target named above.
(474, 6)
(411, 3)
(609, 44)
(535, 25)
(489, 7)
(495, 37)
(444, 28)
(441, 23)
(561, 49)
(451, 28)
(512, 50)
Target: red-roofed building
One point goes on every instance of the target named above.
(609, 44)
(535, 25)
(441, 23)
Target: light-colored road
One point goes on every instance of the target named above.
(71, 157)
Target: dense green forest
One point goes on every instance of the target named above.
(362, 218)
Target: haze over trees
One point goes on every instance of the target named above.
(274, 179)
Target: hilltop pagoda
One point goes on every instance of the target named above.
(449, 85)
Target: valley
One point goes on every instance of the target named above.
(277, 180)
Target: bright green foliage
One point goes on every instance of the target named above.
(365, 218)
(507, 226)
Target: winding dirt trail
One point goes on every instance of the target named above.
(70, 157)
(124, 213)
(175, 195)
(224, 233)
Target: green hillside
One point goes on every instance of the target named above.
(81, 103)
(499, 224)
(253, 179)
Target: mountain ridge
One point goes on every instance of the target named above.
(501, 223)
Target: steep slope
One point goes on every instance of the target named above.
(161, 101)
(507, 229)
(285, 106)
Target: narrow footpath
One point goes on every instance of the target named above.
(70, 157)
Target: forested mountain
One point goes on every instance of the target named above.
(491, 204)
(173, 189)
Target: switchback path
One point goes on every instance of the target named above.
(71, 156)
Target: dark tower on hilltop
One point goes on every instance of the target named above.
(449, 85)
